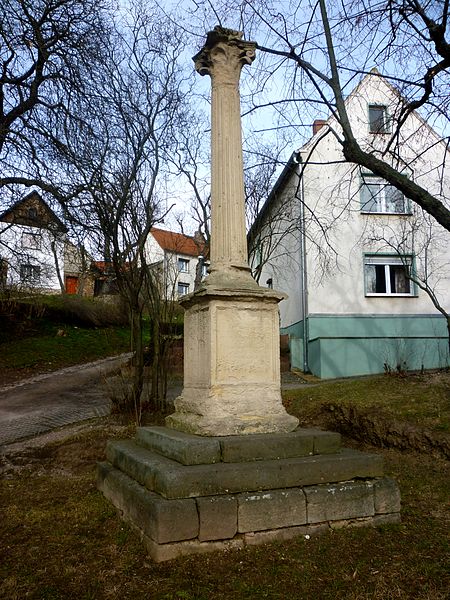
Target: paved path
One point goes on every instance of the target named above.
(45, 402)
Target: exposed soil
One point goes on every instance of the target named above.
(377, 429)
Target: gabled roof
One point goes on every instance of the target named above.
(178, 242)
(18, 213)
(296, 157)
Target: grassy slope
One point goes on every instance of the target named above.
(76, 345)
(421, 399)
(49, 332)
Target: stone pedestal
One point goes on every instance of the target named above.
(187, 494)
(232, 365)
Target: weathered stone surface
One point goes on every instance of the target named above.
(163, 552)
(387, 496)
(326, 442)
(387, 519)
(160, 519)
(189, 449)
(173, 480)
(217, 517)
(280, 535)
(351, 523)
(232, 367)
(333, 502)
(271, 510)
(231, 324)
(185, 448)
(268, 446)
(137, 462)
(176, 481)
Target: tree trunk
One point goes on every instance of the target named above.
(137, 349)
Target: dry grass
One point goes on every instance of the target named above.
(61, 540)
(422, 399)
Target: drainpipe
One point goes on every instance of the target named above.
(303, 270)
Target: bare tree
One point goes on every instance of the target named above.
(315, 51)
(120, 156)
(48, 52)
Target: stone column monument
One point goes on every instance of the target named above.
(231, 352)
(203, 483)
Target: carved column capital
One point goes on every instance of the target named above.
(223, 55)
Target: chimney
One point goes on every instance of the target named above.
(317, 125)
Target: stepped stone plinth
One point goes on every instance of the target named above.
(186, 493)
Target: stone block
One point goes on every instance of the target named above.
(185, 448)
(242, 448)
(217, 517)
(173, 480)
(326, 442)
(333, 502)
(271, 510)
(137, 462)
(160, 519)
(387, 496)
(387, 519)
(164, 552)
(281, 535)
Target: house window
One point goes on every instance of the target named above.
(378, 119)
(30, 274)
(31, 241)
(32, 213)
(387, 275)
(377, 196)
(183, 289)
(205, 268)
(183, 265)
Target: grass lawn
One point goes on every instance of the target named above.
(61, 539)
(49, 351)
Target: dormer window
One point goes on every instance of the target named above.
(378, 119)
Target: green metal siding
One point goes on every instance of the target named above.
(343, 346)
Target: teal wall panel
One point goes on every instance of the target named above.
(343, 346)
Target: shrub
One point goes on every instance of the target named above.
(88, 312)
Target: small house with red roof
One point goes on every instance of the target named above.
(183, 259)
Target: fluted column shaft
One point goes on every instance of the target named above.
(223, 57)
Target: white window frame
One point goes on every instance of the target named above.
(183, 265)
(388, 262)
(386, 120)
(205, 267)
(31, 241)
(182, 289)
(30, 273)
(379, 197)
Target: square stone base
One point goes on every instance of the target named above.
(182, 495)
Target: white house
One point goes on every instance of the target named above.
(344, 246)
(180, 256)
(32, 246)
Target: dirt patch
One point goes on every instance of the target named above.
(374, 428)
(72, 450)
